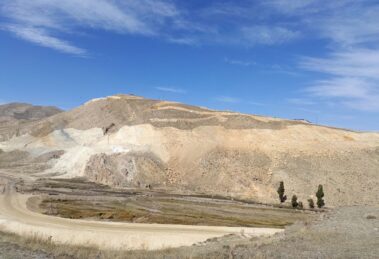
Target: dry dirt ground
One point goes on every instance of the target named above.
(19, 213)
(350, 232)
(15, 217)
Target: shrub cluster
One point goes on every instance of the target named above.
(298, 204)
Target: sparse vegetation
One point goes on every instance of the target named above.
(294, 201)
(281, 191)
(311, 203)
(320, 196)
(300, 205)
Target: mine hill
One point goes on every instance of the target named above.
(130, 141)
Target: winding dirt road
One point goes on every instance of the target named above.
(15, 217)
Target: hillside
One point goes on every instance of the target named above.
(14, 116)
(130, 141)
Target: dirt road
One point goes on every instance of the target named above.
(15, 217)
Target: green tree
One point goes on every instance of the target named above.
(294, 201)
(320, 196)
(280, 191)
(311, 203)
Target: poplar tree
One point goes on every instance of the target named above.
(280, 191)
(320, 196)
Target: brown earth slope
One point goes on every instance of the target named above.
(15, 116)
(126, 141)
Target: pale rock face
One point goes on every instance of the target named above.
(81, 145)
(188, 148)
(101, 99)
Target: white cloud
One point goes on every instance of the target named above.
(38, 20)
(350, 63)
(345, 22)
(227, 99)
(40, 37)
(344, 87)
(352, 25)
(357, 93)
(351, 68)
(171, 90)
(121, 16)
(353, 78)
(292, 6)
(153, 18)
(246, 23)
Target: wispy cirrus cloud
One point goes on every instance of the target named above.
(37, 21)
(171, 90)
(354, 62)
(349, 72)
(345, 22)
(357, 93)
(353, 78)
(344, 87)
(48, 22)
(352, 25)
(41, 37)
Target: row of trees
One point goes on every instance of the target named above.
(299, 204)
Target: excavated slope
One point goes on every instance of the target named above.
(122, 110)
(131, 141)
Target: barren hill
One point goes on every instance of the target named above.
(129, 141)
(14, 116)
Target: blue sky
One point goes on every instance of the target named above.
(311, 59)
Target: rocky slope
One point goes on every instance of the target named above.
(15, 116)
(126, 141)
